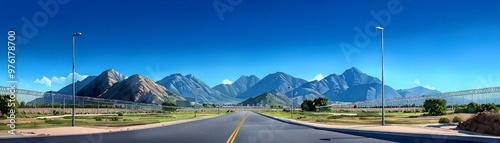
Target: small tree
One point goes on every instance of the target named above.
(169, 103)
(488, 107)
(473, 107)
(206, 105)
(307, 105)
(435, 107)
(4, 104)
(22, 104)
(321, 101)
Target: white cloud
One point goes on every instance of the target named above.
(416, 81)
(318, 77)
(46, 81)
(59, 80)
(429, 87)
(227, 81)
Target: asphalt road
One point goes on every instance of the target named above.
(242, 127)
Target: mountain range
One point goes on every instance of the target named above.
(241, 85)
(190, 86)
(268, 99)
(350, 86)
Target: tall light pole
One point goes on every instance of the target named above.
(196, 100)
(291, 95)
(383, 108)
(73, 80)
(218, 109)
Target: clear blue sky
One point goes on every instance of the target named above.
(448, 45)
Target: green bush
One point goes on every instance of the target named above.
(169, 103)
(334, 117)
(461, 110)
(435, 107)
(56, 112)
(413, 116)
(444, 120)
(301, 117)
(457, 119)
(115, 119)
(120, 114)
(128, 120)
(488, 107)
(473, 107)
(4, 116)
(307, 105)
(98, 119)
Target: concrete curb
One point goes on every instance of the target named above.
(432, 136)
(169, 123)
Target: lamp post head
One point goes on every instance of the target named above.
(77, 34)
(379, 28)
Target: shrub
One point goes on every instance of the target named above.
(4, 116)
(488, 107)
(98, 119)
(413, 116)
(307, 105)
(301, 117)
(128, 120)
(120, 114)
(473, 107)
(435, 107)
(325, 109)
(444, 120)
(115, 119)
(457, 119)
(461, 110)
(169, 103)
(56, 112)
(334, 117)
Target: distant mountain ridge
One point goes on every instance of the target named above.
(268, 99)
(417, 91)
(278, 81)
(101, 83)
(352, 85)
(137, 88)
(241, 85)
(188, 86)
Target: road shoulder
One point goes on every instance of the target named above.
(395, 130)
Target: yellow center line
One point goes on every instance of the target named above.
(235, 132)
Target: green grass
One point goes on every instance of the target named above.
(106, 120)
(362, 118)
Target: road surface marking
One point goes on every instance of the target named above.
(235, 132)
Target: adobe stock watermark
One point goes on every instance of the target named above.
(40, 19)
(12, 80)
(362, 38)
(222, 7)
(157, 73)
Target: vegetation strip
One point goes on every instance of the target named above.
(235, 132)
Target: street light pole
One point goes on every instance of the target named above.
(383, 110)
(291, 95)
(73, 79)
(196, 100)
(218, 109)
